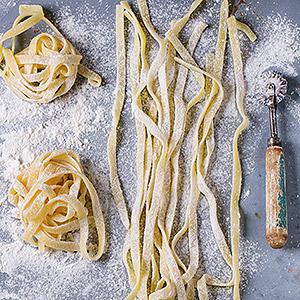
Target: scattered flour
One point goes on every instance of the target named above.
(81, 120)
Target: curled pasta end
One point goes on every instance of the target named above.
(29, 10)
(94, 79)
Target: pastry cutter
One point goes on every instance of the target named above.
(276, 203)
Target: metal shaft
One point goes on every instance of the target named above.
(274, 140)
(273, 122)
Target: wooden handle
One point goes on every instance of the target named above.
(276, 207)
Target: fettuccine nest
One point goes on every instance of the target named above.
(47, 68)
(55, 200)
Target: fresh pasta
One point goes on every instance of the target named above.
(47, 68)
(155, 269)
(233, 27)
(55, 200)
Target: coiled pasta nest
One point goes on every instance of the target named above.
(47, 68)
(58, 206)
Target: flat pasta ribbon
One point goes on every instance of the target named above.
(47, 68)
(55, 199)
(161, 113)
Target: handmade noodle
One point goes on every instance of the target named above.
(47, 68)
(154, 268)
(55, 199)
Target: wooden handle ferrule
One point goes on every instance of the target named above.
(276, 204)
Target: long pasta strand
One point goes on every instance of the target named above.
(154, 268)
(233, 27)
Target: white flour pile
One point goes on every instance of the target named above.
(81, 121)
